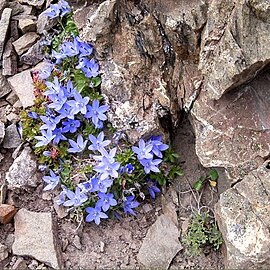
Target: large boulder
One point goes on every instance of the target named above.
(243, 215)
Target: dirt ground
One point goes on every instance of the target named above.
(115, 244)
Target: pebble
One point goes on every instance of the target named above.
(7, 213)
(102, 246)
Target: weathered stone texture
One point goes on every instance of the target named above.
(35, 236)
(243, 214)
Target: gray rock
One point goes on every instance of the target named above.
(243, 215)
(3, 252)
(27, 25)
(9, 59)
(21, 84)
(160, 245)
(4, 86)
(36, 3)
(233, 132)
(28, 10)
(44, 23)
(3, 4)
(35, 236)
(22, 44)
(16, 7)
(23, 171)
(12, 138)
(2, 131)
(14, 31)
(234, 44)
(4, 25)
(12, 98)
(34, 55)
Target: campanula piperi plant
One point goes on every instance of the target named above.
(94, 169)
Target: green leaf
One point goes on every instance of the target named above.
(95, 82)
(199, 184)
(213, 174)
(80, 81)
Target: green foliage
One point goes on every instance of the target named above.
(211, 178)
(170, 156)
(202, 231)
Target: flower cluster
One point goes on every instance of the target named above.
(67, 127)
(150, 153)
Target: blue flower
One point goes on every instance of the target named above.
(94, 214)
(70, 49)
(52, 181)
(152, 189)
(151, 165)
(129, 168)
(117, 136)
(102, 185)
(53, 11)
(90, 185)
(71, 125)
(75, 198)
(84, 48)
(78, 104)
(58, 136)
(70, 89)
(106, 200)
(78, 146)
(50, 121)
(107, 165)
(96, 113)
(62, 195)
(57, 57)
(45, 73)
(54, 87)
(128, 204)
(158, 146)
(58, 100)
(45, 139)
(65, 8)
(90, 68)
(98, 143)
(143, 151)
(33, 115)
(65, 111)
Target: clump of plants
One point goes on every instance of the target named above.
(202, 230)
(94, 167)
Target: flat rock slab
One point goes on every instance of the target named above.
(25, 42)
(35, 237)
(234, 131)
(4, 86)
(2, 131)
(12, 138)
(4, 25)
(22, 85)
(23, 171)
(35, 3)
(160, 245)
(243, 215)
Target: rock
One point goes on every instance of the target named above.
(220, 142)
(7, 213)
(3, 4)
(34, 55)
(233, 50)
(9, 59)
(3, 252)
(27, 25)
(12, 98)
(13, 118)
(44, 23)
(243, 215)
(14, 31)
(22, 44)
(28, 10)
(142, 98)
(12, 137)
(36, 3)
(23, 171)
(3, 192)
(147, 207)
(16, 7)
(60, 210)
(160, 245)
(35, 236)
(21, 84)
(4, 86)
(19, 264)
(1, 158)
(2, 131)
(4, 25)
(77, 242)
